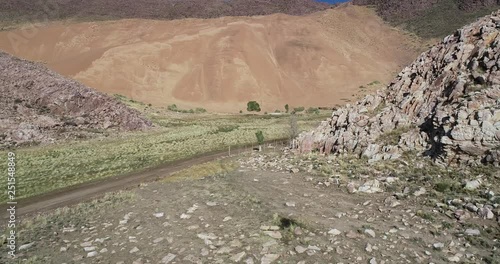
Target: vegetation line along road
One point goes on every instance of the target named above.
(86, 191)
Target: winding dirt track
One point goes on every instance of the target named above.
(76, 194)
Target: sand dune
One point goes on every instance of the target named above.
(222, 63)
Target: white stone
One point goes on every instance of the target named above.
(472, 185)
(370, 232)
(168, 258)
(300, 249)
(88, 249)
(26, 246)
(273, 234)
(472, 232)
(159, 215)
(238, 257)
(269, 258)
(134, 250)
(334, 232)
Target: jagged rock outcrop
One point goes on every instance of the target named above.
(446, 104)
(471, 5)
(404, 9)
(39, 105)
(397, 9)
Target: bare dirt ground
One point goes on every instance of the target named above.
(220, 64)
(272, 208)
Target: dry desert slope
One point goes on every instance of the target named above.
(222, 63)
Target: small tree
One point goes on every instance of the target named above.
(253, 106)
(287, 108)
(260, 139)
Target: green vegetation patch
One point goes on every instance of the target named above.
(392, 137)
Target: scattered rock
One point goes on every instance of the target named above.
(334, 232)
(168, 258)
(472, 232)
(26, 246)
(269, 258)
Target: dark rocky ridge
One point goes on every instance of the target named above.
(38, 105)
(404, 9)
(18, 11)
(431, 18)
(446, 105)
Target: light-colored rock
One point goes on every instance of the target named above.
(300, 249)
(238, 257)
(334, 232)
(472, 185)
(26, 246)
(472, 232)
(269, 258)
(168, 258)
(274, 234)
(370, 232)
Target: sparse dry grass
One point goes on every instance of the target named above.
(202, 170)
(392, 137)
(40, 227)
(43, 169)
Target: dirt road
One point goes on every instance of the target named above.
(76, 194)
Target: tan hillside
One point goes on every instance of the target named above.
(222, 63)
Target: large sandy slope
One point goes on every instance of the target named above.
(220, 64)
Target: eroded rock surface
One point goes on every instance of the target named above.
(38, 105)
(445, 105)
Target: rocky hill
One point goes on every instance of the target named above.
(446, 105)
(18, 11)
(39, 106)
(431, 18)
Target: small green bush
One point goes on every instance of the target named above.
(260, 137)
(253, 106)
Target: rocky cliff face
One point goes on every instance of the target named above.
(446, 105)
(470, 5)
(38, 105)
(404, 9)
(397, 9)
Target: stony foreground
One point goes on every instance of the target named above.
(280, 208)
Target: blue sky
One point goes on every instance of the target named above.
(332, 1)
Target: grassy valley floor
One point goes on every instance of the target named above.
(42, 169)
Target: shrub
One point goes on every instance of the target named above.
(260, 137)
(200, 110)
(253, 106)
(313, 110)
(172, 107)
(287, 108)
(298, 109)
